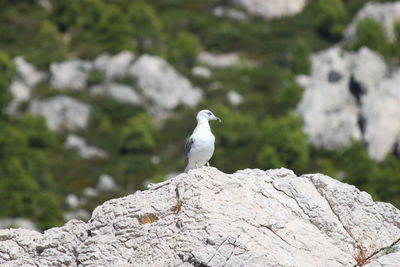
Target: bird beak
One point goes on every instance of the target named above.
(217, 119)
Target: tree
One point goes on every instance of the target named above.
(7, 71)
(147, 26)
(184, 49)
(283, 144)
(138, 135)
(330, 18)
(50, 46)
(371, 33)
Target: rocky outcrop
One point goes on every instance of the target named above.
(354, 95)
(385, 13)
(272, 8)
(70, 74)
(209, 218)
(62, 112)
(21, 88)
(162, 85)
(84, 150)
(149, 81)
(114, 66)
(219, 61)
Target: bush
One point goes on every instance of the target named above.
(7, 71)
(371, 33)
(330, 18)
(283, 143)
(50, 46)
(300, 57)
(138, 135)
(183, 49)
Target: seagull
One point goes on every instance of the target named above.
(199, 147)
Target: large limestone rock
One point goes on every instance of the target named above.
(162, 85)
(114, 66)
(62, 112)
(272, 8)
(328, 108)
(84, 150)
(25, 79)
(208, 218)
(71, 74)
(351, 96)
(385, 13)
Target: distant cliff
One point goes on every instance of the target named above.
(209, 218)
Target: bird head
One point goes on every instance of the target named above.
(206, 115)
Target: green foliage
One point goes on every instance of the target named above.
(283, 143)
(7, 71)
(183, 49)
(138, 135)
(50, 42)
(24, 155)
(147, 27)
(236, 131)
(299, 60)
(330, 17)
(371, 33)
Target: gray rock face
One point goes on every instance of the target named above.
(120, 92)
(21, 88)
(219, 61)
(205, 217)
(70, 74)
(114, 66)
(385, 13)
(272, 8)
(162, 85)
(83, 149)
(328, 108)
(61, 112)
(350, 96)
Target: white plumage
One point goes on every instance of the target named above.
(199, 147)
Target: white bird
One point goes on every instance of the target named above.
(199, 147)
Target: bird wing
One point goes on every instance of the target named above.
(186, 150)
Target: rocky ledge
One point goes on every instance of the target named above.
(209, 218)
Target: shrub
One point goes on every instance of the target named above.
(371, 33)
(330, 18)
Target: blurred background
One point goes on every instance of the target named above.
(98, 96)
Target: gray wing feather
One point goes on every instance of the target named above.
(186, 150)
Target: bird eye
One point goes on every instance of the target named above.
(209, 113)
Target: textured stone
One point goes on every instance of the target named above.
(208, 218)
(234, 98)
(389, 260)
(229, 13)
(219, 61)
(328, 108)
(120, 92)
(272, 8)
(350, 96)
(385, 13)
(114, 66)
(61, 112)
(70, 74)
(83, 149)
(162, 85)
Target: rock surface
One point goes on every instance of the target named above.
(208, 218)
(84, 150)
(162, 85)
(385, 13)
(349, 96)
(272, 8)
(71, 74)
(62, 112)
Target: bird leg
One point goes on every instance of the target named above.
(208, 164)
